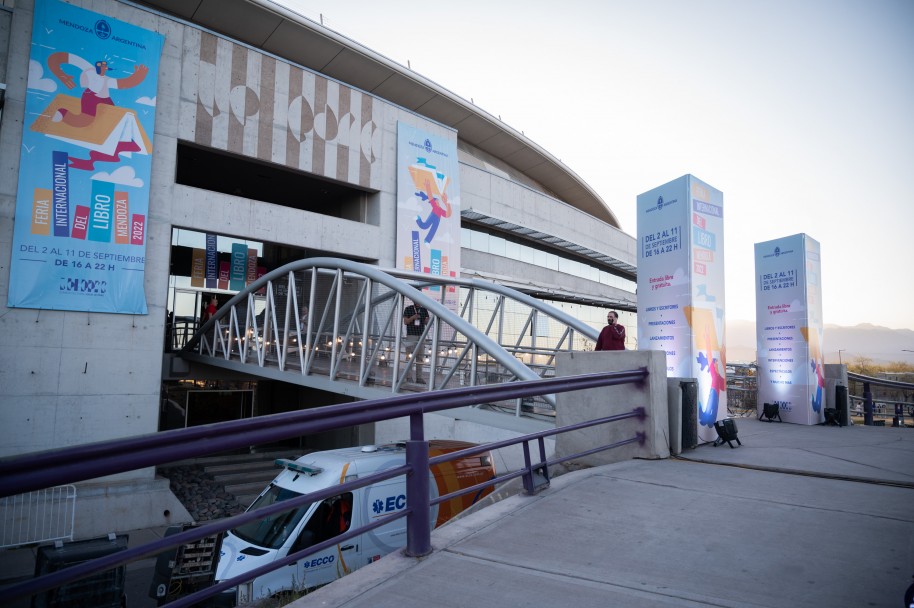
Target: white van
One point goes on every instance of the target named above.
(257, 543)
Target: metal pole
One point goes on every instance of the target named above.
(418, 524)
(867, 405)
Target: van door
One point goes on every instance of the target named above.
(380, 501)
(332, 517)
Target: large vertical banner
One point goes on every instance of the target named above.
(789, 328)
(79, 241)
(681, 288)
(428, 205)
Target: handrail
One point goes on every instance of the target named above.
(880, 381)
(868, 404)
(89, 461)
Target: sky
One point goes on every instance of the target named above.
(800, 111)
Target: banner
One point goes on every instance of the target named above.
(681, 288)
(79, 238)
(212, 260)
(239, 266)
(789, 328)
(428, 205)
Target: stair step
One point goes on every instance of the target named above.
(231, 458)
(242, 467)
(262, 477)
(245, 500)
(238, 489)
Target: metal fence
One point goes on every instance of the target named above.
(36, 471)
(742, 389)
(333, 319)
(38, 516)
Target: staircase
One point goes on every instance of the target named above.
(243, 476)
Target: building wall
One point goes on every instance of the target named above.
(500, 198)
(74, 377)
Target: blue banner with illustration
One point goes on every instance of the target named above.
(428, 202)
(79, 239)
(428, 205)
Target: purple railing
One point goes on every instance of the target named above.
(68, 465)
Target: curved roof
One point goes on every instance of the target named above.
(279, 31)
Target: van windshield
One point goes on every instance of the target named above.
(271, 532)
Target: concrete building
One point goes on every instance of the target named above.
(274, 132)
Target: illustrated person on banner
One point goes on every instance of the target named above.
(613, 335)
(415, 318)
(97, 87)
(95, 82)
(711, 365)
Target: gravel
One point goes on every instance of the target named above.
(203, 498)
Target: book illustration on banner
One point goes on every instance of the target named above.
(431, 187)
(816, 367)
(93, 121)
(712, 384)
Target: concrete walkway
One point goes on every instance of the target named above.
(796, 516)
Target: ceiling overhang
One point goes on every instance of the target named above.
(282, 32)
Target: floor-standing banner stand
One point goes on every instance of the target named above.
(681, 288)
(788, 325)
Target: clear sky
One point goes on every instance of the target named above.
(801, 112)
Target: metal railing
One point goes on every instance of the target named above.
(742, 389)
(36, 517)
(870, 408)
(77, 463)
(319, 321)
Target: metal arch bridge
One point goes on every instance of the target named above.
(336, 325)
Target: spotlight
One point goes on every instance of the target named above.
(726, 432)
(771, 411)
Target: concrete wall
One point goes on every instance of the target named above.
(579, 406)
(500, 198)
(71, 377)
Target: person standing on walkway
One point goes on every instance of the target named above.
(613, 335)
(415, 317)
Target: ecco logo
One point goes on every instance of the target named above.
(84, 286)
(391, 503)
(319, 561)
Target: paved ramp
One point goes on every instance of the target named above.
(681, 533)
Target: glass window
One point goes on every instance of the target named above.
(272, 531)
(496, 245)
(480, 241)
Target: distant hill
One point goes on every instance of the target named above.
(881, 344)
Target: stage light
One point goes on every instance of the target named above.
(726, 432)
(771, 411)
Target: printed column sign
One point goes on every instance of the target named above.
(428, 206)
(79, 237)
(789, 328)
(681, 288)
(212, 259)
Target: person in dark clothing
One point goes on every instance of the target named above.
(415, 318)
(613, 335)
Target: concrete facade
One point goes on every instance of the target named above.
(581, 406)
(72, 377)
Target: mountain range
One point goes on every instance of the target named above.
(880, 344)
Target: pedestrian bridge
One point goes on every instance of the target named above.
(336, 325)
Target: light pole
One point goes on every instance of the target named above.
(840, 350)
